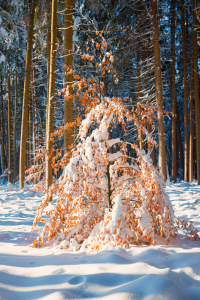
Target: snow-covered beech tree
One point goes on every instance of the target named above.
(108, 197)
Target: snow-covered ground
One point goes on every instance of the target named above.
(166, 272)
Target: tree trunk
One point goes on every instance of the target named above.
(159, 96)
(26, 99)
(30, 135)
(141, 138)
(15, 123)
(151, 148)
(50, 104)
(34, 104)
(191, 120)
(186, 141)
(48, 56)
(174, 147)
(1, 148)
(68, 79)
(196, 89)
(2, 134)
(179, 138)
(9, 126)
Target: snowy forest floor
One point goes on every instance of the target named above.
(167, 272)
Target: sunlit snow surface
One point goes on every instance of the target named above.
(159, 272)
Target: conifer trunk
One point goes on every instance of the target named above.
(1, 148)
(15, 123)
(50, 104)
(186, 141)
(34, 104)
(174, 147)
(141, 142)
(48, 55)
(2, 134)
(68, 79)
(30, 130)
(179, 138)
(26, 99)
(159, 96)
(196, 88)
(191, 120)
(9, 126)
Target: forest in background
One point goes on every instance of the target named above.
(49, 49)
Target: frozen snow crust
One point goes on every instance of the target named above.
(163, 272)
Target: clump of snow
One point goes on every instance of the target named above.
(10, 187)
(2, 58)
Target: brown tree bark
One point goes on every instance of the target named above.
(9, 126)
(191, 120)
(196, 88)
(151, 148)
(34, 104)
(179, 138)
(48, 54)
(68, 60)
(50, 118)
(159, 96)
(174, 147)
(186, 141)
(26, 99)
(30, 131)
(141, 140)
(15, 122)
(2, 134)
(1, 147)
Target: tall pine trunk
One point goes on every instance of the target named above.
(179, 138)
(159, 95)
(141, 142)
(9, 126)
(196, 88)
(15, 123)
(191, 120)
(51, 97)
(68, 79)
(48, 56)
(174, 146)
(34, 104)
(2, 134)
(30, 130)
(186, 141)
(25, 109)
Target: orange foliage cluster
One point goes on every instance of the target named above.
(106, 198)
(188, 227)
(140, 207)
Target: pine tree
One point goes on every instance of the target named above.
(196, 88)
(174, 148)
(26, 98)
(159, 96)
(10, 171)
(51, 93)
(186, 142)
(68, 78)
